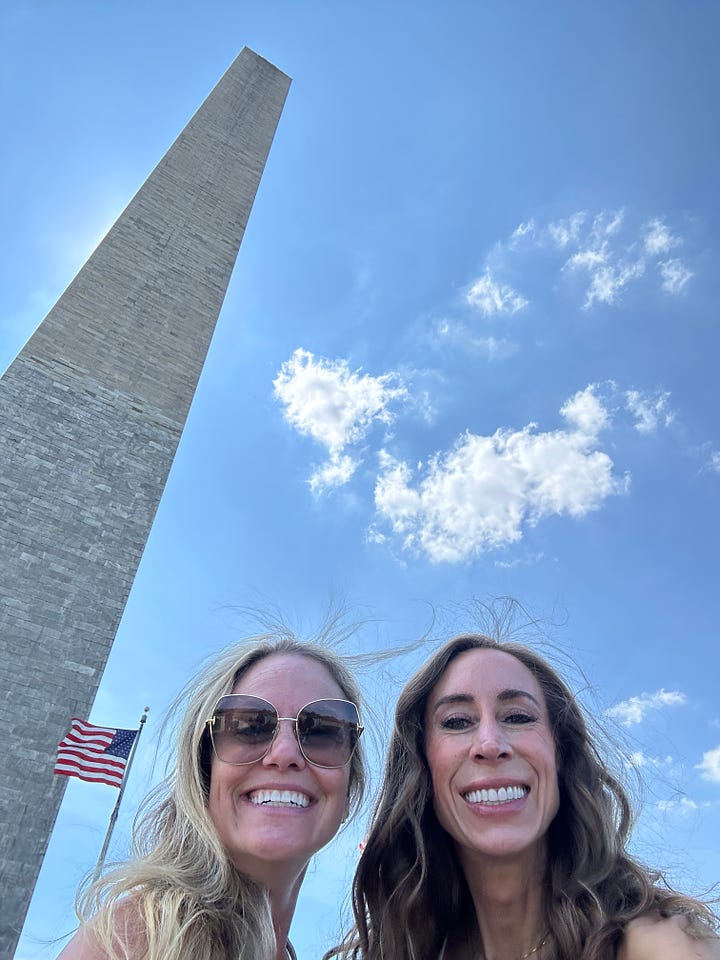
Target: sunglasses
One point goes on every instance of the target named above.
(242, 730)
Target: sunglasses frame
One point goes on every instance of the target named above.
(294, 720)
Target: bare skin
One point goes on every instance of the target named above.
(654, 938)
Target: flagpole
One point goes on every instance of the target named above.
(114, 814)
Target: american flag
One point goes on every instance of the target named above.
(97, 754)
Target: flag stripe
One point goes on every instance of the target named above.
(92, 762)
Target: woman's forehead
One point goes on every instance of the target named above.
(485, 672)
(286, 674)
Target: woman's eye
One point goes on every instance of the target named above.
(455, 723)
(519, 717)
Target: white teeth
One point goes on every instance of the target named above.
(501, 795)
(274, 797)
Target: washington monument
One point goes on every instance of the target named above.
(91, 412)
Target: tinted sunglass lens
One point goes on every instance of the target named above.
(327, 731)
(243, 731)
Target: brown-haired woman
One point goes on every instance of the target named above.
(501, 834)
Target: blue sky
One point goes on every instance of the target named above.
(468, 351)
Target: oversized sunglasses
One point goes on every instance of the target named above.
(242, 730)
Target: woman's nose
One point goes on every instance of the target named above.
(284, 750)
(490, 742)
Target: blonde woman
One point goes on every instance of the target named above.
(267, 767)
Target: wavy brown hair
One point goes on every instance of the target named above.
(179, 896)
(410, 898)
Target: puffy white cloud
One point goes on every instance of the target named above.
(585, 412)
(479, 495)
(336, 406)
(657, 238)
(650, 411)
(715, 460)
(675, 275)
(492, 298)
(634, 710)
(709, 767)
(326, 400)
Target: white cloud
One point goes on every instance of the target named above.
(657, 238)
(634, 710)
(492, 348)
(492, 298)
(480, 494)
(709, 767)
(523, 230)
(608, 275)
(564, 232)
(336, 406)
(640, 759)
(528, 561)
(326, 400)
(715, 460)
(607, 281)
(337, 470)
(649, 411)
(682, 806)
(675, 275)
(585, 411)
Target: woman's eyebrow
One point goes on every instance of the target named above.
(512, 694)
(453, 698)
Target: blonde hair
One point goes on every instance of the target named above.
(179, 896)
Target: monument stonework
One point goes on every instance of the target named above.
(91, 412)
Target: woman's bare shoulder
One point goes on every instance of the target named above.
(86, 944)
(83, 946)
(665, 938)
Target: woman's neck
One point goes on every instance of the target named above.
(508, 903)
(283, 897)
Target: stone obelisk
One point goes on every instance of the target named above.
(91, 412)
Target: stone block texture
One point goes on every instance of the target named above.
(91, 412)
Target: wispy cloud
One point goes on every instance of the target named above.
(709, 767)
(608, 271)
(649, 410)
(682, 806)
(634, 710)
(335, 472)
(715, 460)
(639, 759)
(492, 298)
(528, 561)
(565, 232)
(608, 251)
(481, 494)
(453, 332)
(657, 238)
(522, 231)
(675, 275)
(336, 406)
